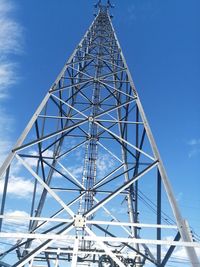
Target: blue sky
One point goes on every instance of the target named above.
(160, 40)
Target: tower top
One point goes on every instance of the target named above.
(104, 6)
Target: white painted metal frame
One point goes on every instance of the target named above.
(93, 99)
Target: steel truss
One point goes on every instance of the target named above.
(91, 161)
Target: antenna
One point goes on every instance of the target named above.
(109, 4)
(98, 4)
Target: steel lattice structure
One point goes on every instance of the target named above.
(92, 170)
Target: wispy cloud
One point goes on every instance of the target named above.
(105, 163)
(194, 145)
(7, 76)
(179, 196)
(5, 130)
(11, 39)
(76, 171)
(194, 142)
(144, 10)
(11, 33)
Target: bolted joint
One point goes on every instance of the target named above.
(79, 221)
(91, 119)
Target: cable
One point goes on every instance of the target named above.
(164, 214)
(153, 206)
(5, 243)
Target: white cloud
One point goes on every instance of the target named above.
(10, 34)
(11, 37)
(105, 164)
(7, 76)
(18, 187)
(181, 256)
(5, 130)
(32, 162)
(4, 148)
(16, 213)
(119, 210)
(179, 196)
(15, 224)
(76, 171)
(194, 142)
(10, 43)
(194, 152)
(10, 30)
(194, 145)
(5, 6)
